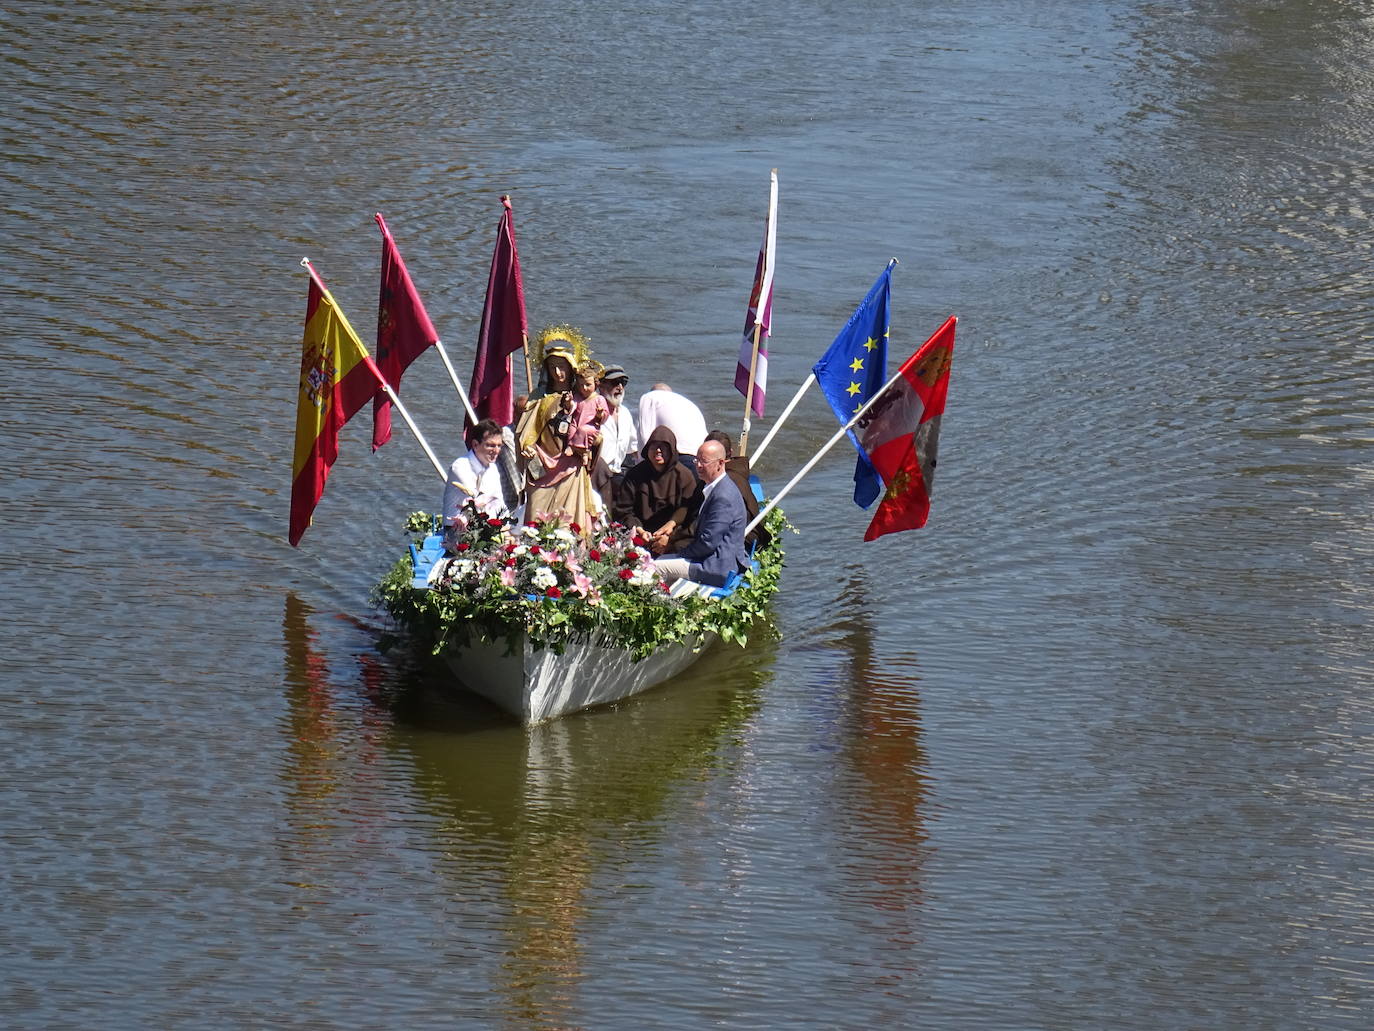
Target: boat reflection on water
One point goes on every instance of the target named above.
(546, 817)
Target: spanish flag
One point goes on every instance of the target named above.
(337, 379)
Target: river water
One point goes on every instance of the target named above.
(1091, 750)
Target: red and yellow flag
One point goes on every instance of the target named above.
(337, 379)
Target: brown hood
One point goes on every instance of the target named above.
(661, 435)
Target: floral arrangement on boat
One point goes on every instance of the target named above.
(549, 583)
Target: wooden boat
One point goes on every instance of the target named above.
(537, 679)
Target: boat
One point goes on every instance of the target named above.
(543, 623)
(539, 685)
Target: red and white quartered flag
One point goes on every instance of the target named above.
(901, 434)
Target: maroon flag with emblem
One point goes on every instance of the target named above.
(403, 331)
(901, 434)
(503, 327)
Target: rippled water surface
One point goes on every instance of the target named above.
(1091, 750)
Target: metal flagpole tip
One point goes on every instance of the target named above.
(305, 263)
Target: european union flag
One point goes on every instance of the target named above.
(854, 369)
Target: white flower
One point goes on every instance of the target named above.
(544, 578)
(564, 535)
(529, 531)
(644, 576)
(520, 549)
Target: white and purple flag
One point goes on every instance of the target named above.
(760, 314)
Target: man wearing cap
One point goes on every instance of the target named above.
(619, 440)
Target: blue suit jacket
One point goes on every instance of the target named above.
(718, 549)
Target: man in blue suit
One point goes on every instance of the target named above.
(717, 550)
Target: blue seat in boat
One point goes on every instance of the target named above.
(424, 557)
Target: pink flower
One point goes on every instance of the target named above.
(582, 584)
(508, 576)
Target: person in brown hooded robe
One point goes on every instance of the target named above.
(655, 492)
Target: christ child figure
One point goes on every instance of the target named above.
(589, 410)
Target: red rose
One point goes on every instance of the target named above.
(594, 555)
(554, 592)
(509, 548)
(574, 528)
(493, 522)
(626, 574)
(463, 546)
(510, 563)
(534, 549)
(638, 541)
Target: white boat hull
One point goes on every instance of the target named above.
(537, 685)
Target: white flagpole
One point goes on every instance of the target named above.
(462, 394)
(773, 502)
(377, 373)
(777, 425)
(438, 466)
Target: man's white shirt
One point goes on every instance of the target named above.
(469, 477)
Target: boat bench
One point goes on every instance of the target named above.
(424, 557)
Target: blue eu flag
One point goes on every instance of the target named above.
(854, 369)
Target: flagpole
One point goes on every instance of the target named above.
(377, 374)
(453, 375)
(773, 431)
(749, 396)
(765, 288)
(529, 376)
(773, 502)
